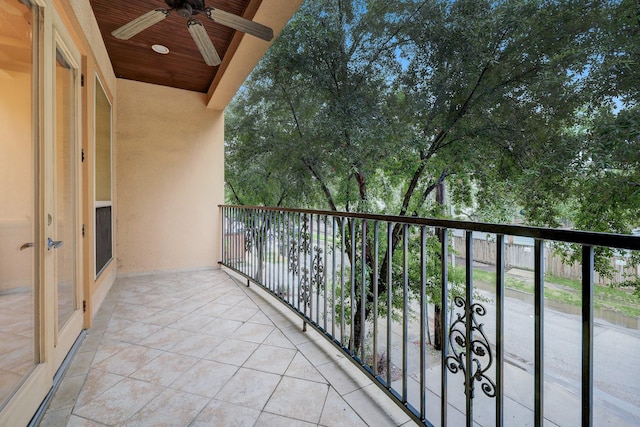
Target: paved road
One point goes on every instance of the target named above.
(616, 364)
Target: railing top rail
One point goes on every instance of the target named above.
(619, 241)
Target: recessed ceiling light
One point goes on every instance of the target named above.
(160, 49)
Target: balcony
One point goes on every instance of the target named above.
(287, 335)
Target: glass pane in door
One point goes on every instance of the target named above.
(18, 219)
(65, 208)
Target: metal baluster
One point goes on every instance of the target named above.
(468, 380)
(268, 265)
(342, 250)
(333, 277)
(317, 266)
(405, 309)
(389, 298)
(539, 333)
(324, 275)
(587, 336)
(224, 233)
(352, 228)
(287, 245)
(499, 329)
(299, 267)
(376, 248)
(444, 329)
(423, 322)
(363, 289)
(310, 269)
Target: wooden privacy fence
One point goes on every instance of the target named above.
(520, 254)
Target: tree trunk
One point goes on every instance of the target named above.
(437, 312)
(437, 340)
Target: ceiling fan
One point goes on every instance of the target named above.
(188, 9)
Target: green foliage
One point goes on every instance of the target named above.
(523, 108)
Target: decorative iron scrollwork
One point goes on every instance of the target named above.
(459, 342)
(300, 250)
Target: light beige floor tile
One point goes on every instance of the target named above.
(164, 369)
(260, 318)
(337, 412)
(189, 305)
(300, 367)
(223, 328)
(90, 343)
(120, 402)
(67, 392)
(129, 360)
(277, 339)
(267, 419)
(253, 332)
(170, 408)
(212, 309)
(164, 317)
(293, 331)
(96, 383)
(165, 302)
(239, 313)
(318, 354)
(196, 344)
(249, 388)
(205, 378)
(80, 364)
(75, 421)
(116, 324)
(218, 413)
(231, 299)
(275, 360)
(374, 407)
(248, 303)
(343, 376)
(233, 352)
(56, 417)
(133, 333)
(299, 399)
(192, 322)
(108, 348)
(163, 339)
(133, 312)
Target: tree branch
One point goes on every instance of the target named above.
(323, 185)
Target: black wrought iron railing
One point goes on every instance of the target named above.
(431, 327)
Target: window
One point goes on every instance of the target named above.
(103, 192)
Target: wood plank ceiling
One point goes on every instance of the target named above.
(183, 67)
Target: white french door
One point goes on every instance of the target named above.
(40, 198)
(62, 198)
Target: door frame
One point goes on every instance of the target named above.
(62, 337)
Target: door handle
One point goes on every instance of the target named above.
(55, 244)
(26, 245)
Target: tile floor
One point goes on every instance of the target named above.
(202, 349)
(16, 340)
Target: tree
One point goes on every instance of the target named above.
(372, 105)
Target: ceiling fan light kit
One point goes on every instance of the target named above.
(161, 49)
(188, 9)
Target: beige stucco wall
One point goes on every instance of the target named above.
(170, 179)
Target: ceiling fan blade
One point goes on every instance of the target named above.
(239, 23)
(139, 24)
(202, 40)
